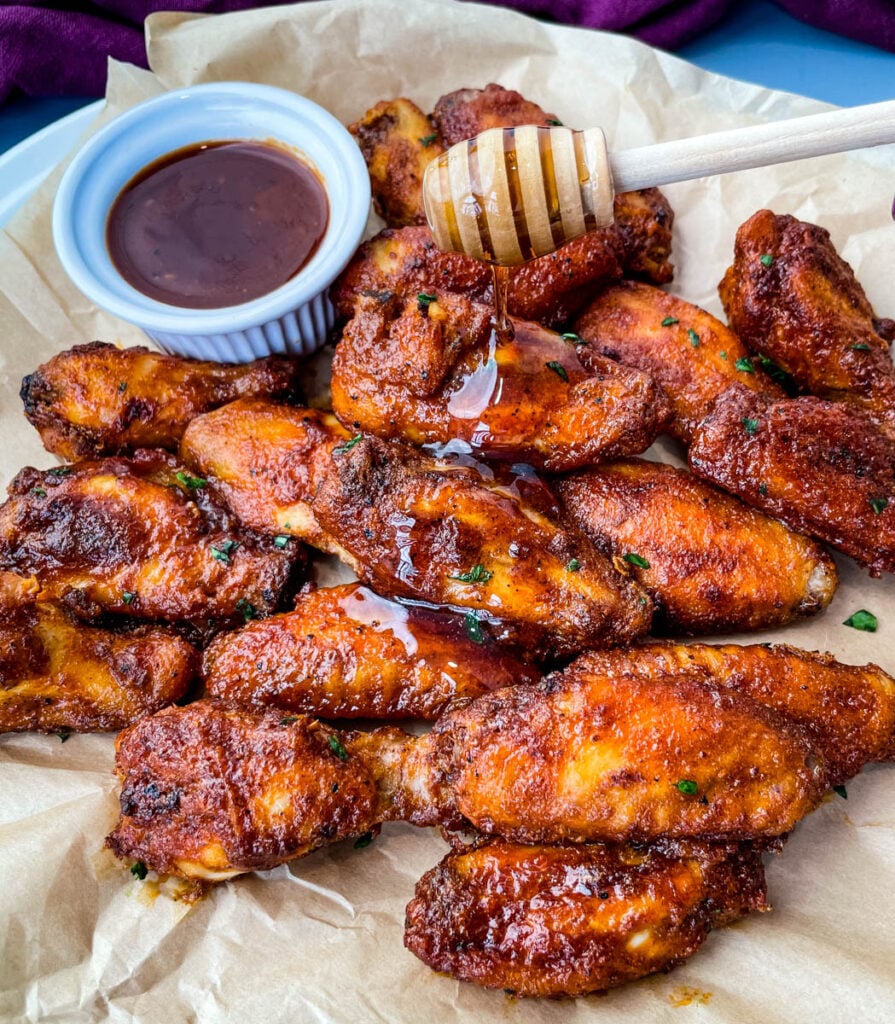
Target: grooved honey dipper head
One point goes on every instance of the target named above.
(511, 194)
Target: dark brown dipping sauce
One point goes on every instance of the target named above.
(217, 224)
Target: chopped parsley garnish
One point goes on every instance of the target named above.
(363, 840)
(774, 371)
(281, 540)
(223, 551)
(860, 347)
(842, 791)
(554, 122)
(59, 471)
(348, 445)
(669, 321)
(63, 735)
(424, 299)
(122, 387)
(336, 747)
(687, 786)
(724, 356)
(575, 338)
(191, 483)
(128, 597)
(138, 870)
(863, 620)
(744, 365)
(637, 560)
(879, 504)
(477, 574)
(427, 140)
(693, 336)
(288, 719)
(573, 565)
(558, 369)
(763, 490)
(249, 611)
(750, 425)
(473, 628)
(39, 492)
(766, 258)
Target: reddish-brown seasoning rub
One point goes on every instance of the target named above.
(566, 921)
(463, 113)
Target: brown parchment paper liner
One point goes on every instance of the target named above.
(80, 940)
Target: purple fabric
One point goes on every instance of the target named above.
(60, 47)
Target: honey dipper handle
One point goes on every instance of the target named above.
(739, 149)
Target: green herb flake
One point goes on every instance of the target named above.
(288, 719)
(573, 565)
(348, 445)
(724, 356)
(576, 339)
(693, 336)
(638, 560)
(281, 541)
(59, 471)
(425, 299)
(774, 371)
(841, 791)
(122, 387)
(363, 840)
(744, 365)
(766, 258)
(38, 492)
(750, 425)
(248, 610)
(863, 620)
(554, 122)
(128, 597)
(473, 628)
(879, 504)
(139, 870)
(477, 574)
(336, 747)
(558, 369)
(223, 551)
(763, 490)
(859, 347)
(669, 321)
(191, 483)
(687, 786)
(63, 735)
(427, 140)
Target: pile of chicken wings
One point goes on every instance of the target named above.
(608, 791)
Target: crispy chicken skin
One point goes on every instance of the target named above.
(429, 372)
(397, 140)
(587, 755)
(57, 674)
(98, 399)
(690, 354)
(822, 468)
(413, 526)
(566, 921)
(710, 563)
(345, 652)
(141, 537)
(789, 295)
(550, 290)
(847, 711)
(464, 113)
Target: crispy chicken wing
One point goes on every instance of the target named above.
(790, 296)
(565, 921)
(433, 371)
(847, 711)
(397, 140)
(689, 353)
(710, 563)
(140, 537)
(819, 466)
(346, 652)
(549, 290)
(98, 399)
(417, 527)
(57, 674)
(467, 112)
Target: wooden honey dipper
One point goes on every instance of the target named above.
(511, 194)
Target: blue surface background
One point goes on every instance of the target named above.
(758, 43)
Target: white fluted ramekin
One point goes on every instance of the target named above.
(294, 318)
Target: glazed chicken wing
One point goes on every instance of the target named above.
(397, 140)
(140, 537)
(346, 652)
(847, 711)
(691, 355)
(790, 296)
(433, 371)
(711, 563)
(419, 528)
(822, 468)
(59, 675)
(464, 113)
(99, 399)
(566, 921)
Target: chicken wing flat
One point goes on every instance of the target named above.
(690, 354)
(140, 537)
(790, 296)
(847, 711)
(397, 140)
(822, 468)
(549, 290)
(433, 371)
(566, 921)
(345, 652)
(59, 675)
(99, 399)
(710, 563)
(464, 113)
(417, 527)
